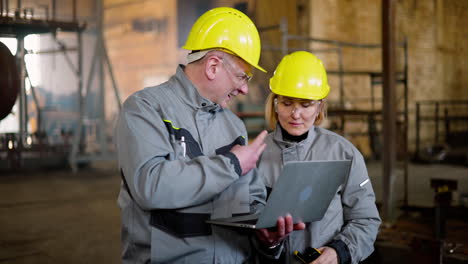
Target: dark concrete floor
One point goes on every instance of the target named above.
(56, 216)
(59, 217)
(410, 236)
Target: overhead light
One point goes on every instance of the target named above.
(10, 144)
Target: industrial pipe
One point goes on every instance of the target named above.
(9, 81)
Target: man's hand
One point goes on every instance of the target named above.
(328, 256)
(248, 155)
(284, 226)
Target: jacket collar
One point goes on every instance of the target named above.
(190, 94)
(278, 137)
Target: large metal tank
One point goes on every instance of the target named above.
(9, 81)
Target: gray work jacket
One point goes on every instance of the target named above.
(352, 216)
(173, 150)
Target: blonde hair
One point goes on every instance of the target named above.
(271, 116)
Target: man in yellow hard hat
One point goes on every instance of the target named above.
(183, 155)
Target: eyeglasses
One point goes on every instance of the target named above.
(240, 78)
(297, 105)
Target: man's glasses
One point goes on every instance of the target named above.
(241, 78)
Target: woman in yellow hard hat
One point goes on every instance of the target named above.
(294, 109)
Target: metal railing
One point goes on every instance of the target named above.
(445, 116)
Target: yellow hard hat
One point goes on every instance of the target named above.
(229, 29)
(300, 75)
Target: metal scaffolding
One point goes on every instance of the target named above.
(18, 148)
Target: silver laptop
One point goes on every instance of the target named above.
(304, 190)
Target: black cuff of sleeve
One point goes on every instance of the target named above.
(264, 253)
(234, 161)
(272, 252)
(342, 250)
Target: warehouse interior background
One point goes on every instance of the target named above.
(66, 67)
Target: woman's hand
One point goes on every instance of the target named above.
(285, 225)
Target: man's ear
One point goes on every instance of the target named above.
(212, 67)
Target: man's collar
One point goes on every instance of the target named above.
(190, 94)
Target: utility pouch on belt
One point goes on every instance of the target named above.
(310, 254)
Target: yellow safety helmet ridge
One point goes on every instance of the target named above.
(300, 75)
(226, 28)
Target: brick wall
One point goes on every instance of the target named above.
(437, 38)
(142, 43)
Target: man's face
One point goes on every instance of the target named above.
(233, 80)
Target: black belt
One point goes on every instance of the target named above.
(181, 224)
(176, 223)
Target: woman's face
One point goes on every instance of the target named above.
(296, 115)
